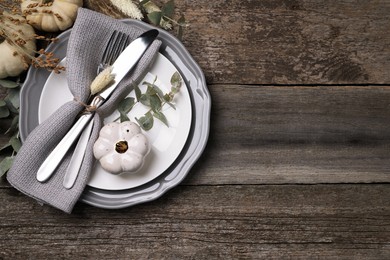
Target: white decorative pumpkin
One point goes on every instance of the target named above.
(121, 147)
(52, 15)
(14, 54)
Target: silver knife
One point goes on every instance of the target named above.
(122, 65)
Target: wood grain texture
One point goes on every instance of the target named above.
(290, 42)
(290, 134)
(194, 222)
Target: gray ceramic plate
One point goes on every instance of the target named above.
(196, 142)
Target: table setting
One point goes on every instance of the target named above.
(289, 158)
(50, 103)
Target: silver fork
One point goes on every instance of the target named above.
(116, 44)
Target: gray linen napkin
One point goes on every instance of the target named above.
(87, 41)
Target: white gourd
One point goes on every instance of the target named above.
(51, 16)
(12, 62)
(121, 147)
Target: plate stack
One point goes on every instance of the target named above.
(113, 192)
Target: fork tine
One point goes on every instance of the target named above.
(124, 43)
(114, 48)
(118, 47)
(117, 43)
(109, 47)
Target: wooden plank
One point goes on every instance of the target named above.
(296, 135)
(290, 42)
(282, 221)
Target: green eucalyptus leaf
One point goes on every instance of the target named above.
(168, 100)
(155, 17)
(168, 9)
(150, 7)
(123, 117)
(171, 105)
(145, 100)
(176, 80)
(2, 103)
(126, 105)
(10, 106)
(150, 90)
(4, 112)
(160, 116)
(158, 91)
(137, 92)
(15, 143)
(8, 83)
(13, 97)
(146, 83)
(174, 90)
(6, 164)
(146, 122)
(155, 103)
(14, 125)
(154, 89)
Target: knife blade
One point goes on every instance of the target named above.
(73, 169)
(122, 65)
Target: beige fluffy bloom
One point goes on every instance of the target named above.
(102, 80)
(129, 8)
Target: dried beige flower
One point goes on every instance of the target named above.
(102, 80)
(128, 8)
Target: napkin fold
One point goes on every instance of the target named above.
(87, 41)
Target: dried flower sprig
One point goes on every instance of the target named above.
(22, 43)
(102, 80)
(10, 6)
(129, 8)
(47, 61)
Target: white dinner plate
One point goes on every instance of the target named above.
(166, 142)
(178, 55)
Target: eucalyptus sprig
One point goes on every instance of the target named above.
(154, 99)
(9, 108)
(163, 16)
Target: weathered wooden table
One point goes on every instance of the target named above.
(298, 159)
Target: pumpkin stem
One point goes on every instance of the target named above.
(121, 146)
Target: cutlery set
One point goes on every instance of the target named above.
(116, 44)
